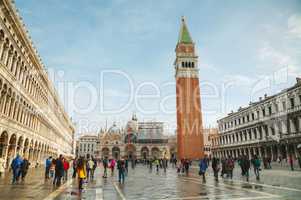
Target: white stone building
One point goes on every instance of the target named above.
(270, 127)
(86, 145)
(33, 122)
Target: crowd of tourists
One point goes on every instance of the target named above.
(225, 166)
(56, 169)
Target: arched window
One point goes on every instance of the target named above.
(183, 64)
(189, 64)
(192, 64)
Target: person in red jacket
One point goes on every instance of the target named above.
(66, 168)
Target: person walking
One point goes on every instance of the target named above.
(223, 161)
(105, 167)
(47, 167)
(59, 171)
(256, 166)
(66, 168)
(246, 166)
(2, 166)
(81, 173)
(186, 166)
(121, 170)
(16, 167)
(90, 169)
(52, 168)
(291, 162)
(230, 167)
(156, 163)
(112, 166)
(150, 165)
(24, 168)
(215, 167)
(74, 166)
(203, 167)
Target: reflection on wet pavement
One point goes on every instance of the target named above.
(142, 184)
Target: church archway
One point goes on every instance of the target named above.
(130, 151)
(105, 152)
(144, 153)
(116, 152)
(155, 152)
(3, 143)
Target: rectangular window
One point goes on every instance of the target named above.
(270, 110)
(253, 116)
(263, 112)
(292, 100)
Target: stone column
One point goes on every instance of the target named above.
(259, 152)
(292, 126)
(6, 154)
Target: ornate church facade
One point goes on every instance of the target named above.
(139, 140)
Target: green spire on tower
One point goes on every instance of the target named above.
(184, 36)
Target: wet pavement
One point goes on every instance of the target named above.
(142, 184)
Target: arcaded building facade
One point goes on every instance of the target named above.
(33, 122)
(270, 127)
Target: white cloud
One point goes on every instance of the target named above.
(241, 80)
(267, 52)
(294, 25)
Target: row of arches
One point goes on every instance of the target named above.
(13, 144)
(13, 58)
(131, 151)
(188, 64)
(14, 107)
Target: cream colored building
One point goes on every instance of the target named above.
(208, 133)
(270, 127)
(33, 122)
(87, 145)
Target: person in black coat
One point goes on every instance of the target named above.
(24, 168)
(215, 167)
(59, 171)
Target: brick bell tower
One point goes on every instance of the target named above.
(189, 115)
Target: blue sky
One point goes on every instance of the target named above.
(245, 48)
